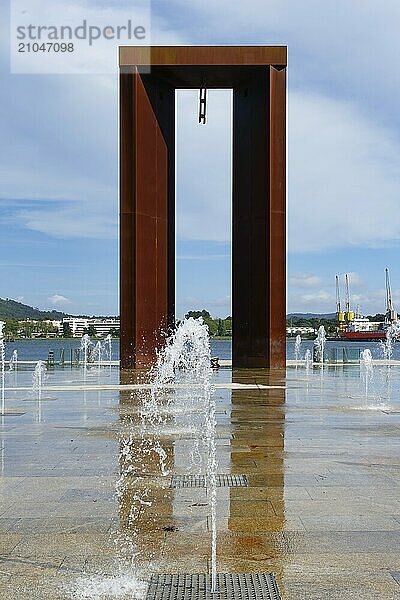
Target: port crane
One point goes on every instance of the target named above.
(349, 315)
(391, 314)
(339, 313)
(354, 327)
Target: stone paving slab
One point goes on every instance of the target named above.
(322, 508)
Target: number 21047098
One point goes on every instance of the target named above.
(46, 47)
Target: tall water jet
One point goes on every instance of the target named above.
(366, 367)
(85, 346)
(180, 385)
(308, 359)
(392, 334)
(211, 425)
(319, 345)
(97, 353)
(108, 346)
(297, 348)
(38, 377)
(12, 365)
(188, 352)
(387, 345)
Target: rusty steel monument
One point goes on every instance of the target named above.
(149, 77)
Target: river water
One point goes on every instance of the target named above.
(38, 349)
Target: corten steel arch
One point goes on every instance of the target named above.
(148, 79)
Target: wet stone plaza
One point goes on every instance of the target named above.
(93, 503)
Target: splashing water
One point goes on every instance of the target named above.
(188, 352)
(319, 344)
(366, 368)
(308, 359)
(97, 353)
(187, 357)
(180, 385)
(85, 347)
(39, 375)
(99, 587)
(12, 365)
(392, 333)
(387, 346)
(108, 346)
(297, 347)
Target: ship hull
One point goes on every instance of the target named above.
(363, 336)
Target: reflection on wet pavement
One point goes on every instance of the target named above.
(321, 509)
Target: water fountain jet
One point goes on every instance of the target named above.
(366, 367)
(319, 345)
(38, 377)
(308, 359)
(297, 348)
(108, 345)
(97, 352)
(85, 347)
(13, 364)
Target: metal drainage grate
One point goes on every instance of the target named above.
(231, 586)
(200, 481)
(396, 576)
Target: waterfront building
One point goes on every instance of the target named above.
(300, 330)
(80, 325)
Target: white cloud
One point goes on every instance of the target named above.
(344, 149)
(305, 280)
(350, 47)
(355, 280)
(72, 222)
(204, 167)
(58, 300)
(343, 165)
(343, 177)
(93, 54)
(319, 301)
(203, 257)
(320, 296)
(371, 301)
(60, 139)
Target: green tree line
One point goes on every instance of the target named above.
(16, 329)
(217, 327)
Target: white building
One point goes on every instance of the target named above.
(77, 326)
(80, 325)
(300, 330)
(104, 326)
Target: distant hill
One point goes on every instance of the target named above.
(10, 309)
(311, 315)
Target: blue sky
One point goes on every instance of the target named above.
(59, 152)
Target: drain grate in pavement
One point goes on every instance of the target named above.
(396, 576)
(231, 586)
(200, 481)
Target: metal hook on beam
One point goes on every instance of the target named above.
(203, 104)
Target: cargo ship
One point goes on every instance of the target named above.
(353, 327)
(362, 329)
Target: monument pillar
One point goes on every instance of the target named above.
(148, 80)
